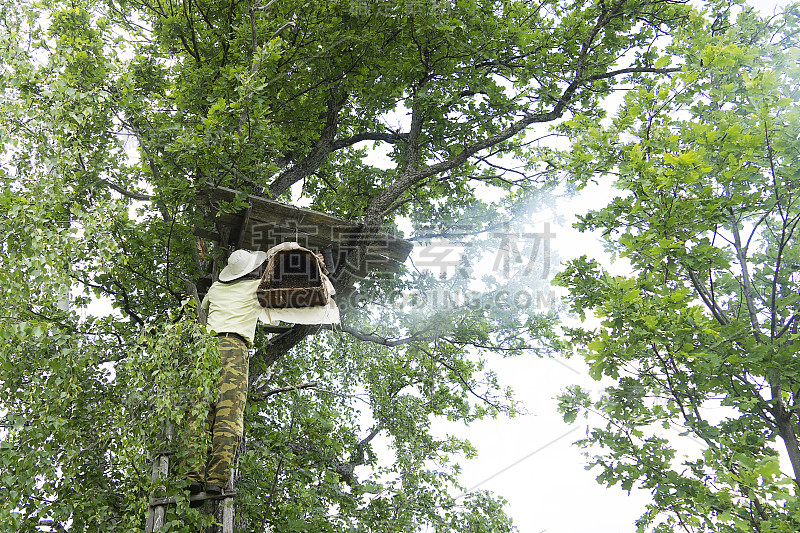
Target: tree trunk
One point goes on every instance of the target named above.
(788, 434)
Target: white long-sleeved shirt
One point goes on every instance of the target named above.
(234, 308)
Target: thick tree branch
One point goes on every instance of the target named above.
(741, 255)
(708, 298)
(418, 114)
(385, 341)
(381, 203)
(126, 303)
(282, 343)
(284, 28)
(191, 290)
(322, 148)
(346, 469)
(387, 137)
(633, 70)
(124, 192)
(784, 419)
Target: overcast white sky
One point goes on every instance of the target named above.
(529, 460)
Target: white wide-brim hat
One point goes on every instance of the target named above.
(241, 263)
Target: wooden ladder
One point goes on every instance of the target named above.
(157, 506)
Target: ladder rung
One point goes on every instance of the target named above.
(157, 502)
(164, 452)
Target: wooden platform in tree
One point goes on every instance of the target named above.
(266, 223)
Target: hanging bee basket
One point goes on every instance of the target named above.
(293, 278)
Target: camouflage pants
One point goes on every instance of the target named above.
(225, 420)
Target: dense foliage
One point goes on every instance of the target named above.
(700, 338)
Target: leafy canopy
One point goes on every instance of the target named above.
(700, 338)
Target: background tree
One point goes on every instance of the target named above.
(117, 117)
(700, 338)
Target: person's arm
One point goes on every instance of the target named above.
(202, 311)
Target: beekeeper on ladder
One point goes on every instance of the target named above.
(232, 311)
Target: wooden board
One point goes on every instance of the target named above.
(266, 223)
